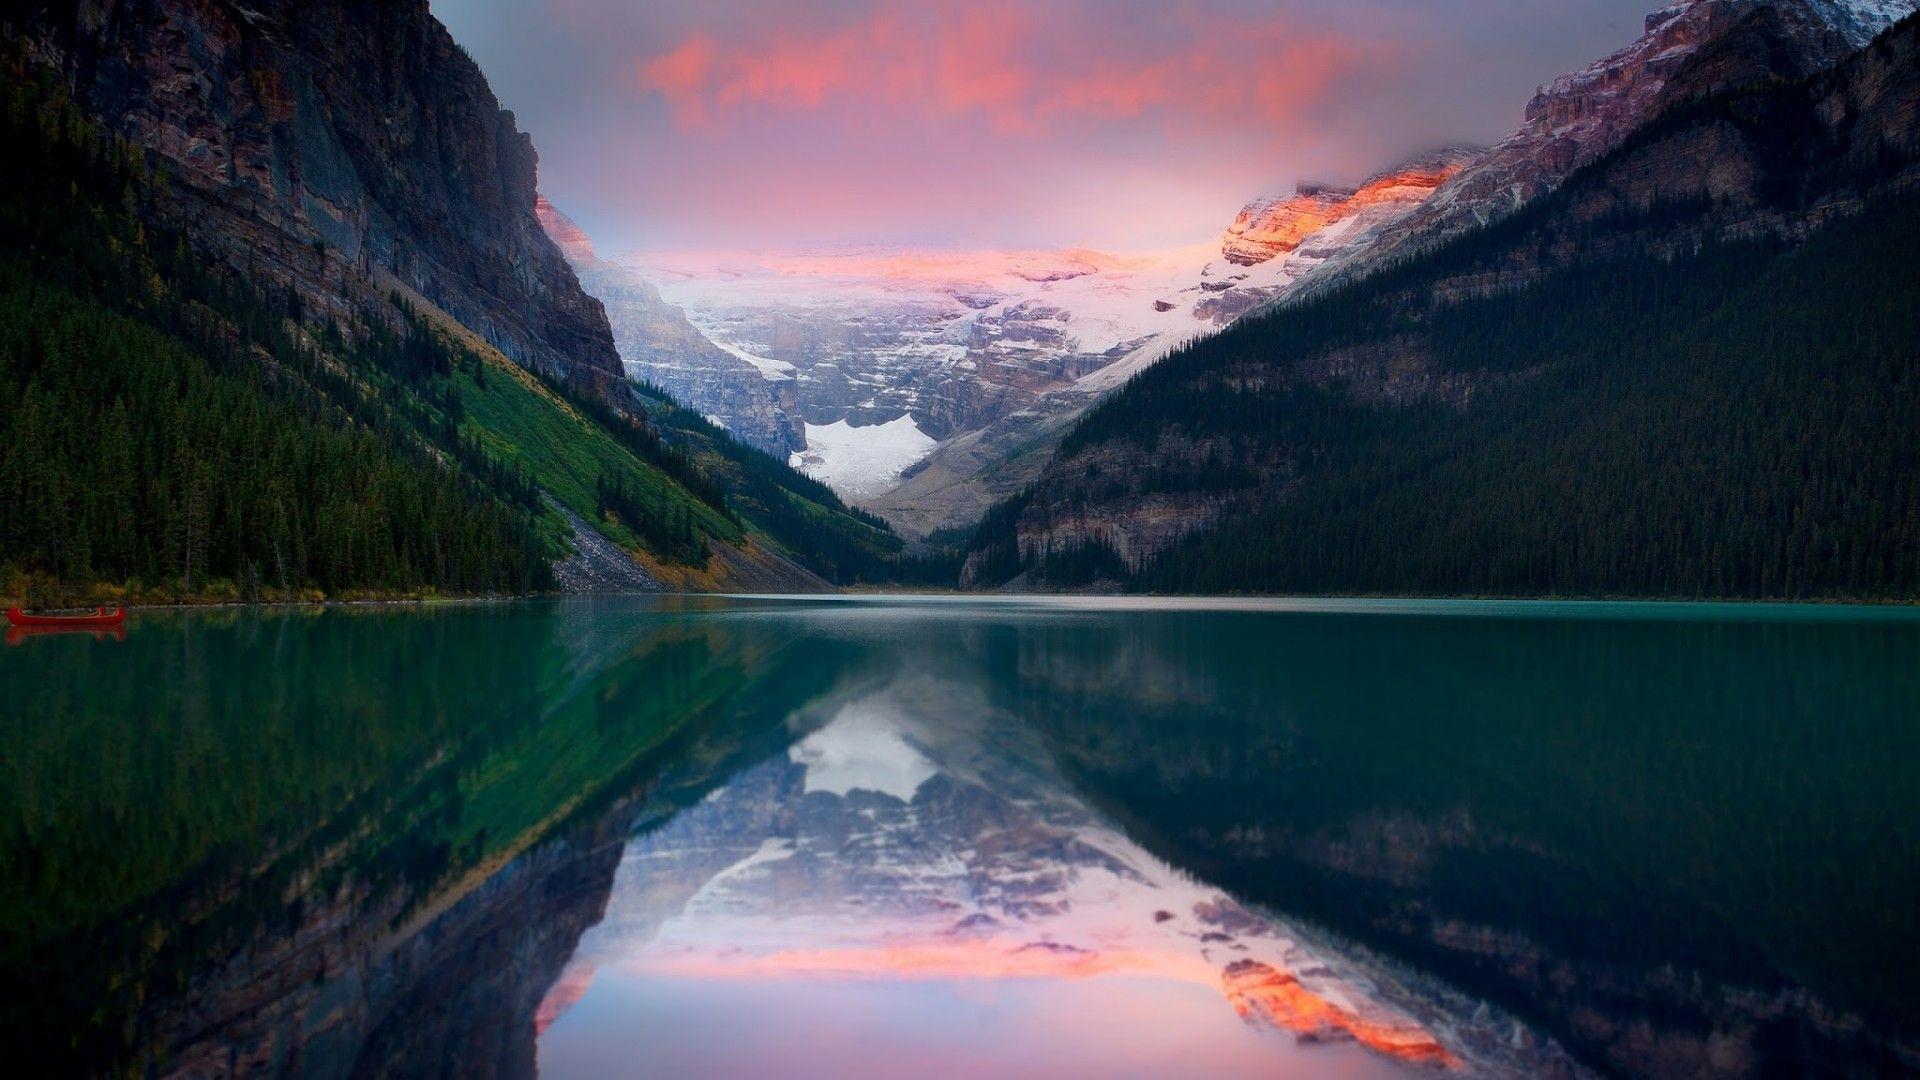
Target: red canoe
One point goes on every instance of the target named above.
(99, 617)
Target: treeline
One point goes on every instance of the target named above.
(842, 543)
(666, 530)
(1737, 423)
(126, 457)
(166, 425)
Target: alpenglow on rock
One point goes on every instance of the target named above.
(1687, 49)
(1275, 226)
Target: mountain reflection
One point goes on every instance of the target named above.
(1059, 837)
(1682, 842)
(916, 843)
(302, 841)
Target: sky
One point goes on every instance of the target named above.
(780, 125)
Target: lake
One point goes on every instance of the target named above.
(958, 837)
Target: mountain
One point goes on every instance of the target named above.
(1689, 48)
(899, 840)
(1686, 371)
(928, 384)
(315, 222)
(991, 357)
(1271, 245)
(658, 345)
(341, 149)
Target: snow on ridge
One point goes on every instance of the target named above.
(862, 462)
(770, 369)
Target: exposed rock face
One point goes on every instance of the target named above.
(1274, 226)
(657, 344)
(337, 147)
(1267, 228)
(567, 235)
(1689, 48)
(660, 346)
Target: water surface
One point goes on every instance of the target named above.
(964, 837)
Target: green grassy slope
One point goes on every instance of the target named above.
(524, 422)
(841, 543)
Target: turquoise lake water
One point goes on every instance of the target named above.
(959, 836)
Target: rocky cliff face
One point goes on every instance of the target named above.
(341, 148)
(1689, 48)
(1274, 226)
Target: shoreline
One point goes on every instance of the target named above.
(882, 592)
(1120, 598)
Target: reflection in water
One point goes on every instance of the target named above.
(919, 845)
(950, 837)
(323, 842)
(1683, 842)
(20, 635)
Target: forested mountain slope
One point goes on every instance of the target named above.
(177, 430)
(1692, 370)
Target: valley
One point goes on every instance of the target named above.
(972, 417)
(986, 355)
(723, 538)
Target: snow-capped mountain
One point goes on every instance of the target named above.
(658, 345)
(891, 353)
(899, 847)
(896, 355)
(1688, 48)
(926, 385)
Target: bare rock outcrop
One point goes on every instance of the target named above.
(336, 148)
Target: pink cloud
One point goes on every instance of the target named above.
(682, 76)
(1004, 63)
